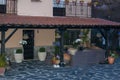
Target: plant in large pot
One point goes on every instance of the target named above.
(3, 64)
(75, 46)
(112, 56)
(55, 59)
(85, 38)
(18, 55)
(42, 54)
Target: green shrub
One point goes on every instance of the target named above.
(19, 51)
(42, 49)
(3, 62)
(57, 50)
(113, 54)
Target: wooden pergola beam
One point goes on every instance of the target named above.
(61, 28)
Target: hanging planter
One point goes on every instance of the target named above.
(23, 42)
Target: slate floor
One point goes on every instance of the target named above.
(36, 70)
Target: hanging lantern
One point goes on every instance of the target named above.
(57, 1)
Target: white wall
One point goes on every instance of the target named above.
(44, 37)
(43, 8)
(15, 39)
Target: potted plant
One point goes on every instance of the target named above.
(56, 57)
(75, 46)
(112, 56)
(42, 54)
(18, 55)
(85, 38)
(3, 64)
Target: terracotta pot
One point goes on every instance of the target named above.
(55, 60)
(111, 60)
(2, 71)
(67, 58)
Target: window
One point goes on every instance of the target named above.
(70, 36)
(58, 8)
(59, 3)
(2, 6)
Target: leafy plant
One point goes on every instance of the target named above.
(57, 50)
(56, 47)
(42, 49)
(3, 62)
(66, 35)
(113, 54)
(76, 43)
(85, 35)
(19, 51)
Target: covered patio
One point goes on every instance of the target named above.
(36, 70)
(61, 23)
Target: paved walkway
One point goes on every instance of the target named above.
(36, 70)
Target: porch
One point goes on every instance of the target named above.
(60, 23)
(36, 70)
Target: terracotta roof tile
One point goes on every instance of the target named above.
(15, 19)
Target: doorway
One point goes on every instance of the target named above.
(28, 35)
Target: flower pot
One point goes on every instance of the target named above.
(72, 51)
(42, 56)
(18, 57)
(67, 58)
(111, 60)
(2, 71)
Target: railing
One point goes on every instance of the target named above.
(11, 6)
(78, 9)
(75, 8)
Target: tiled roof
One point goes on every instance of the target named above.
(33, 20)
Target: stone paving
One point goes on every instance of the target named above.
(36, 70)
